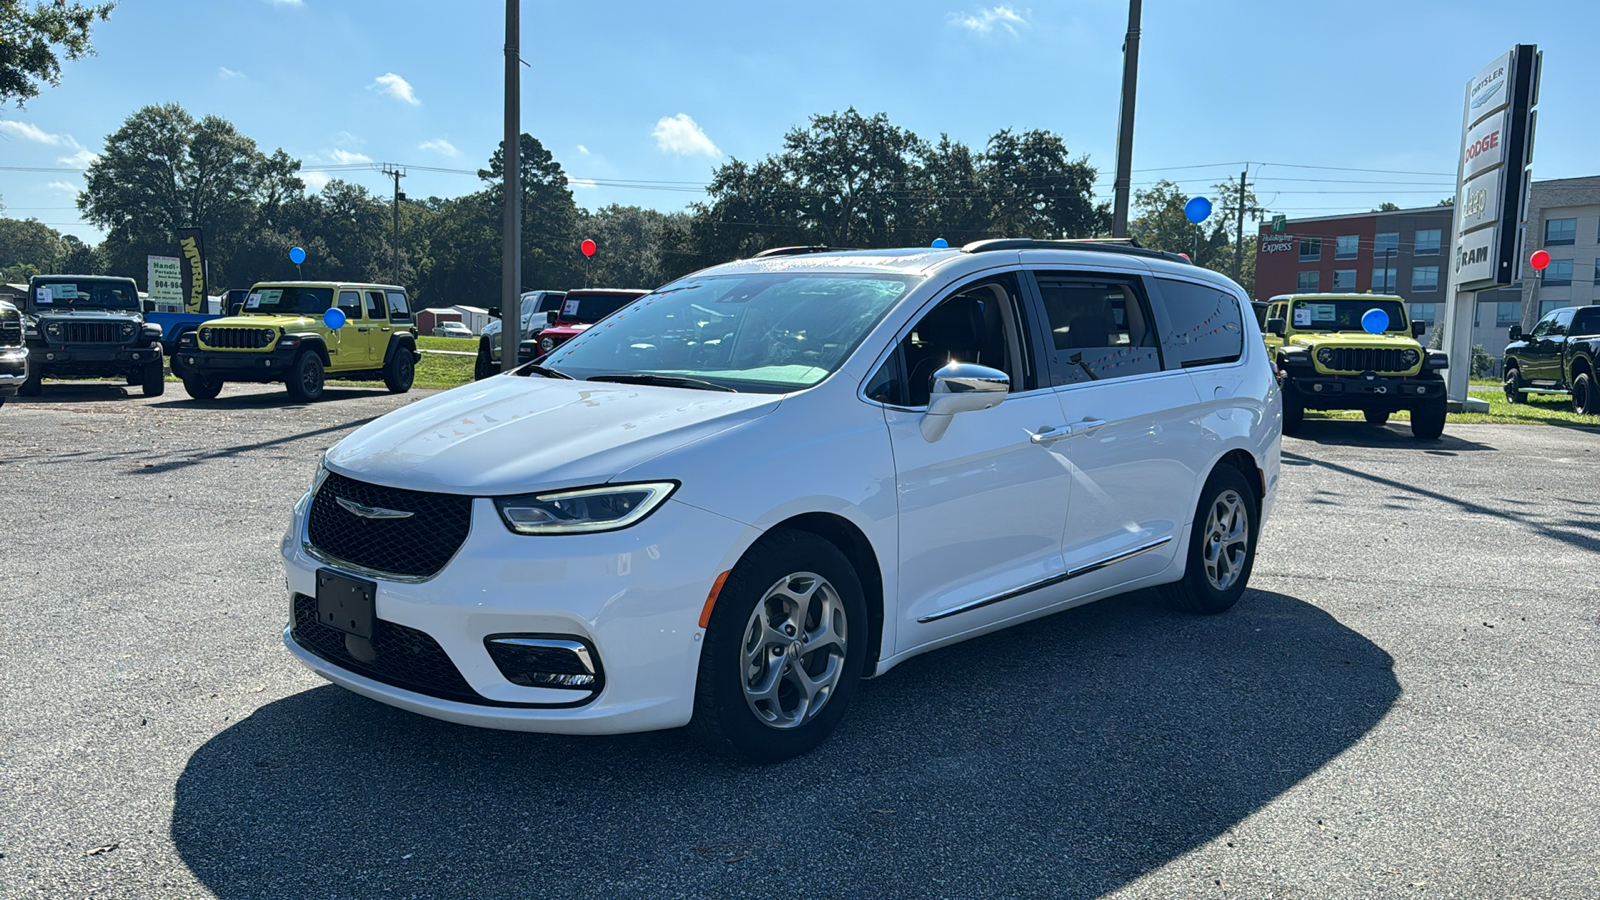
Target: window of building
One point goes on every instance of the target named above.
(1548, 306)
(1386, 245)
(1427, 243)
(1310, 249)
(1424, 312)
(1345, 279)
(1206, 323)
(1559, 272)
(1507, 312)
(1425, 278)
(1346, 246)
(1560, 232)
(1306, 283)
(1383, 281)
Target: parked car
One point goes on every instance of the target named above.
(13, 352)
(538, 307)
(282, 336)
(1328, 360)
(452, 330)
(86, 326)
(581, 309)
(728, 503)
(1558, 356)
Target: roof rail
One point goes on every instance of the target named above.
(1125, 246)
(795, 251)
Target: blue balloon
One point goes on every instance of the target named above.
(297, 255)
(1197, 209)
(940, 243)
(1375, 321)
(334, 318)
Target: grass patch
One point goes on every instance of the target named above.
(1541, 409)
(460, 345)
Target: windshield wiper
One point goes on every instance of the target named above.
(527, 369)
(663, 381)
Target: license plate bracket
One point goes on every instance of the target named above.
(346, 604)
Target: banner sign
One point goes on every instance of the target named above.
(164, 280)
(192, 244)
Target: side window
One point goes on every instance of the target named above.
(399, 308)
(1543, 326)
(376, 308)
(1563, 319)
(888, 384)
(1206, 324)
(978, 324)
(350, 304)
(1099, 328)
(1586, 321)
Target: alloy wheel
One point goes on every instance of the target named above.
(794, 650)
(1227, 541)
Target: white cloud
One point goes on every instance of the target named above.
(36, 134)
(63, 186)
(225, 72)
(583, 150)
(315, 181)
(985, 21)
(83, 159)
(681, 135)
(347, 158)
(287, 2)
(345, 137)
(396, 87)
(441, 146)
(580, 182)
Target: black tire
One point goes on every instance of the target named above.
(201, 386)
(400, 371)
(1201, 590)
(724, 719)
(1427, 419)
(1294, 409)
(135, 378)
(1514, 386)
(1584, 401)
(304, 378)
(153, 379)
(33, 385)
(483, 366)
(1374, 417)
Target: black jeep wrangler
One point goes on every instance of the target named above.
(86, 326)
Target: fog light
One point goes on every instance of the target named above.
(135, 356)
(547, 662)
(267, 363)
(49, 356)
(189, 360)
(1316, 387)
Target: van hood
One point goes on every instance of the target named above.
(511, 434)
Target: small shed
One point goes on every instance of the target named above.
(429, 319)
(474, 317)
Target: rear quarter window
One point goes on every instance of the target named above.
(1207, 325)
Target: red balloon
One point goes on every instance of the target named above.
(1540, 260)
(587, 247)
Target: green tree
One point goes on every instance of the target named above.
(36, 36)
(1162, 225)
(629, 241)
(30, 246)
(1387, 206)
(1037, 190)
(550, 254)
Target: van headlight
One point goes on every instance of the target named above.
(606, 508)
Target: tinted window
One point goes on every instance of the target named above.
(269, 301)
(1207, 326)
(589, 308)
(1345, 314)
(1587, 321)
(50, 294)
(376, 308)
(399, 309)
(551, 301)
(1098, 329)
(974, 325)
(350, 302)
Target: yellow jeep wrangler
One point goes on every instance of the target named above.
(288, 331)
(1354, 351)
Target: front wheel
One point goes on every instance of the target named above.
(1222, 545)
(783, 650)
(153, 380)
(1514, 386)
(33, 384)
(1427, 419)
(483, 366)
(305, 377)
(201, 386)
(400, 372)
(1584, 401)
(1294, 409)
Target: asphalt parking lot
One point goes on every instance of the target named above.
(1405, 704)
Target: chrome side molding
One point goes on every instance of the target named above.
(1045, 582)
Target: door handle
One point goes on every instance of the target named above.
(1048, 435)
(386, 328)
(1087, 426)
(363, 330)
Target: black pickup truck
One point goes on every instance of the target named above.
(1557, 357)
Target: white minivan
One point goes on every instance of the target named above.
(727, 503)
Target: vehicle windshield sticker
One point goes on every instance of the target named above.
(269, 297)
(570, 308)
(253, 301)
(44, 296)
(65, 291)
(1302, 316)
(1324, 312)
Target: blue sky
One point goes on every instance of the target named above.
(664, 92)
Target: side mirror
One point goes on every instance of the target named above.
(1417, 328)
(1276, 326)
(494, 312)
(1516, 332)
(962, 387)
(236, 309)
(550, 317)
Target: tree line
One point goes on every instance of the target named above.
(843, 180)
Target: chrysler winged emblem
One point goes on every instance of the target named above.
(372, 512)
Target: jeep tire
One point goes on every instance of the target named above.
(1294, 408)
(1584, 401)
(1514, 386)
(202, 386)
(1427, 418)
(153, 379)
(400, 371)
(483, 366)
(1222, 545)
(304, 378)
(33, 385)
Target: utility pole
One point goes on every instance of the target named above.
(1238, 241)
(511, 164)
(1130, 83)
(396, 173)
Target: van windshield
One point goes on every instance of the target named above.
(290, 300)
(85, 293)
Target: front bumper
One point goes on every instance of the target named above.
(1365, 391)
(235, 365)
(634, 595)
(68, 357)
(13, 370)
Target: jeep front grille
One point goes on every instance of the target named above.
(1367, 359)
(236, 338)
(414, 546)
(91, 333)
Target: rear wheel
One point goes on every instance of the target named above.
(483, 367)
(400, 371)
(201, 386)
(304, 379)
(1514, 386)
(1584, 401)
(1222, 545)
(1427, 419)
(1375, 417)
(154, 379)
(783, 650)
